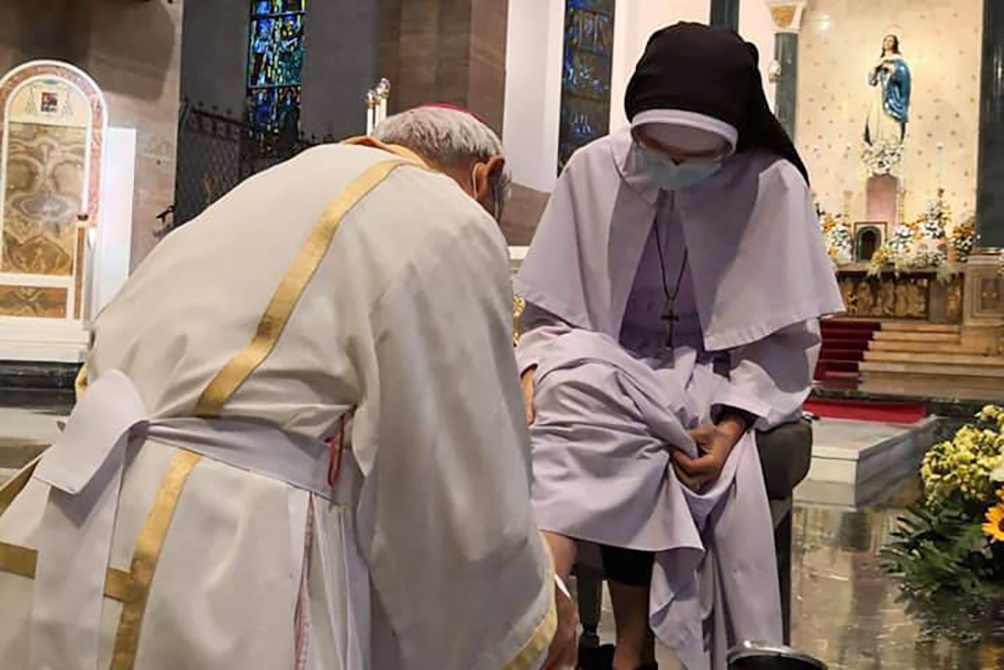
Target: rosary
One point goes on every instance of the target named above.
(669, 311)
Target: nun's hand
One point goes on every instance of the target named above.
(714, 444)
(527, 382)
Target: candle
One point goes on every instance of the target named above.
(371, 111)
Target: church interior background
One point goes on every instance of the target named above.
(123, 120)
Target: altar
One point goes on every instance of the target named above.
(66, 210)
(919, 295)
(924, 332)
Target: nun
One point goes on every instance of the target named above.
(674, 289)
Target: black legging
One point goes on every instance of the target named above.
(630, 567)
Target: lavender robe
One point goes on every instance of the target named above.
(611, 397)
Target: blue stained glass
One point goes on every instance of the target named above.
(586, 75)
(260, 7)
(605, 7)
(275, 64)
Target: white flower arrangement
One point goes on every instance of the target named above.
(936, 220)
(882, 158)
(922, 244)
(837, 235)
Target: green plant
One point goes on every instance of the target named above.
(943, 551)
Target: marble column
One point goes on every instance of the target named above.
(990, 199)
(446, 51)
(725, 13)
(787, 17)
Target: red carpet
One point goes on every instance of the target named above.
(844, 345)
(884, 412)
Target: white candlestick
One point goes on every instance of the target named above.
(371, 111)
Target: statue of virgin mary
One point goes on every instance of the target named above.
(890, 111)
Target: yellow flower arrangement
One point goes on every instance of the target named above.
(963, 238)
(966, 465)
(953, 540)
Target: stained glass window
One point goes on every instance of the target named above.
(585, 81)
(275, 61)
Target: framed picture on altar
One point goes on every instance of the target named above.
(868, 237)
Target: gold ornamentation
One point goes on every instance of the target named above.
(518, 307)
(847, 293)
(887, 296)
(911, 299)
(954, 302)
(990, 297)
(783, 16)
(291, 287)
(865, 300)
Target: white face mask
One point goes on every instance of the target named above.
(671, 176)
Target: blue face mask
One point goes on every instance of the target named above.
(670, 176)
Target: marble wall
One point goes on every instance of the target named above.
(132, 50)
(941, 42)
(451, 51)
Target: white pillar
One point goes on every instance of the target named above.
(113, 243)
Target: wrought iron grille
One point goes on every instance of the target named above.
(217, 152)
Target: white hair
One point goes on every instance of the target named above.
(451, 138)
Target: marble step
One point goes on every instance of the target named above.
(946, 370)
(937, 358)
(855, 463)
(925, 347)
(15, 454)
(981, 390)
(910, 327)
(907, 336)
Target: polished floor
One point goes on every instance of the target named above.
(846, 611)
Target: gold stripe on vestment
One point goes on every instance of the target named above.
(145, 556)
(539, 642)
(16, 484)
(18, 560)
(22, 561)
(119, 585)
(291, 288)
